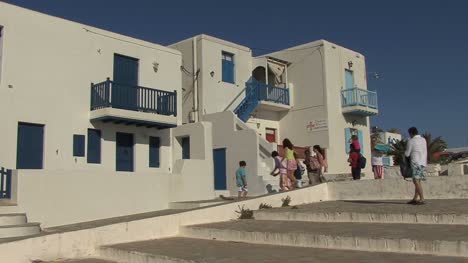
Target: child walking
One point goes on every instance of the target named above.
(377, 164)
(241, 180)
(291, 165)
(285, 183)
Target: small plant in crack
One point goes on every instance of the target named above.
(286, 201)
(245, 213)
(264, 206)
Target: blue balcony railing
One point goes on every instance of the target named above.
(269, 93)
(359, 97)
(109, 94)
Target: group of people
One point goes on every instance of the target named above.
(289, 169)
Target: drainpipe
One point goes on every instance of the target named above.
(195, 81)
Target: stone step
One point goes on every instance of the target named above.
(441, 240)
(194, 204)
(27, 229)
(434, 212)
(184, 250)
(12, 219)
(81, 260)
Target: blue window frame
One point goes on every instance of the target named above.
(78, 145)
(154, 154)
(186, 148)
(94, 146)
(228, 67)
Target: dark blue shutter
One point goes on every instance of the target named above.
(124, 152)
(94, 146)
(30, 146)
(78, 145)
(154, 146)
(347, 138)
(361, 141)
(186, 148)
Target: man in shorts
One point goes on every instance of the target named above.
(416, 150)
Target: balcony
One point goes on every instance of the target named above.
(133, 105)
(262, 96)
(358, 101)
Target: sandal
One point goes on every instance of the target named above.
(412, 202)
(420, 203)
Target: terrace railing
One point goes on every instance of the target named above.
(109, 94)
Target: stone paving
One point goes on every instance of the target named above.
(209, 251)
(368, 230)
(449, 206)
(86, 260)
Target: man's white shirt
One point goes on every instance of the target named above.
(416, 149)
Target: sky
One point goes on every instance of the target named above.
(419, 48)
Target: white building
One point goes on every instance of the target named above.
(97, 124)
(90, 122)
(315, 93)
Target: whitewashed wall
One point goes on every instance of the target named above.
(48, 66)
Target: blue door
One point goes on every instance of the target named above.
(219, 162)
(349, 79)
(124, 89)
(186, 148)
(30, 146)
(124, 152)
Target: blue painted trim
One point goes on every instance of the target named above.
(127, 121)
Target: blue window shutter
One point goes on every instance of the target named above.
(361, 141)
(347, 138)
(186, 148)
(78, 145)
(154, 147)
(94, 146)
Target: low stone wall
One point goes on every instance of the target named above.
(440, 187)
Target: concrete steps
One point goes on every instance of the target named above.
(14, 224)
(436, 212)
(20, 230)
(184, 250)
(441, 240)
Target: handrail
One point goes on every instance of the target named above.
(358, 97)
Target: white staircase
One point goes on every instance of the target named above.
(15, 224)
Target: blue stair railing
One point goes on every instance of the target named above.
(255, 92)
